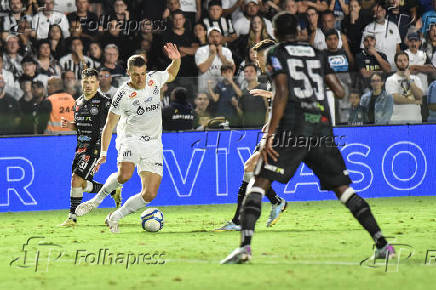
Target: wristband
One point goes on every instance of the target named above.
(103, 153)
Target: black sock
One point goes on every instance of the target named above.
(362, 212)
(96, 186)
(272, 196)
(250, 213)
(241, 195)
(74, 202)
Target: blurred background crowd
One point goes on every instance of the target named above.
(382, 51)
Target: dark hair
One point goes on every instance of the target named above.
(355, 91)
(89, 72)
(226, 67)
(379, 74)
(327, 12)
(285, 24)
(215, 3)
(178, 11)
(180, 94)
(135, 60)
(331, 32)
(398, 54)
(251, 64)
(103, 68)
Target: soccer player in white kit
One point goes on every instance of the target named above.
(137, 110)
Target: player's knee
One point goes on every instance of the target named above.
(253, 203)
(76, 181)
(148, 195)
(124, 176)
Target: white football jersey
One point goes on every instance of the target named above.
(140, 110)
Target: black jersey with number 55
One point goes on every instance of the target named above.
(305, 68)
(90, 118)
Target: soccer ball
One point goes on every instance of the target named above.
(152, 220)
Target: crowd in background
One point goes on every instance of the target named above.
(383, 53)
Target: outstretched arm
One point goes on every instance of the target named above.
(173, 54)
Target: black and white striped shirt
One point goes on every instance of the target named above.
(67, 63)
(224, 24)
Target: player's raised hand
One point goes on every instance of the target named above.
(100, 161)
(266, 149)
(172, 51)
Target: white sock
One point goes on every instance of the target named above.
(89, 186)
(110, 185)
(131, 205)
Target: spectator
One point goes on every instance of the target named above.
(95, 53)
(11, 58)
(251, 9)
(112, 62)
(70, 84)
(106, 87)
(431, 102)
(62, 105)
(200, 31)
(377, 103)
(407, 91)
(192, 11)
(401, 17)
(370, 60)
(150, 9)
(41, 108)
(76, 61)
(216, 19)
(183, 39)
(209, 59)
(201, 113)
(257, 33)
(42, 21)
(313, 28)
(9, 112)
(172, 5)
(179, 114)
(430, 44)
(225, 96)
(386, 33)
(292, 7)
(318, 5)
(29, 72)
(252, 107)
(357, 115)
(233, 8)
(25, 37)
(250, 58)
(328, 23)
(121, 15)
(271, 8)
(13, 18)
(88, 21)
(65, 6)
(114, 35)
(56, 41)
(46, 64)
(419, 63)
(11, 86)
(427, 19)
(340, 8)
(26, 105)
(353, 25)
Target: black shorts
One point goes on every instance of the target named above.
(325, 160)
(83, 164)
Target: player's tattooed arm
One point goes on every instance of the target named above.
(173, 54)
(334, 84)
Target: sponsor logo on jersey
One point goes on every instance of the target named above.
(81, 150)
(156, 91)
(94, 111)
(276, 63)
(132, 95)
(150, 83)
(118, 99)
(140, 110)
(136, 103)
(84, 138)
(158, 164)
(149, 99)
(152, 107)
(127, 153)
(145, 138)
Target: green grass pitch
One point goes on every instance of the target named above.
(315, 245)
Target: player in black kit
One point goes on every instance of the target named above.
(90, 113)
(300, 112)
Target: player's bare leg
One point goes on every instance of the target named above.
(362, 212)
(250, 213)
(114, 181)
(150, 186)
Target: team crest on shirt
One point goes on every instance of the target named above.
(140, 111)
(149, 99)
(93, 111)
(132, 95)
(150, 83)
(156, 91)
